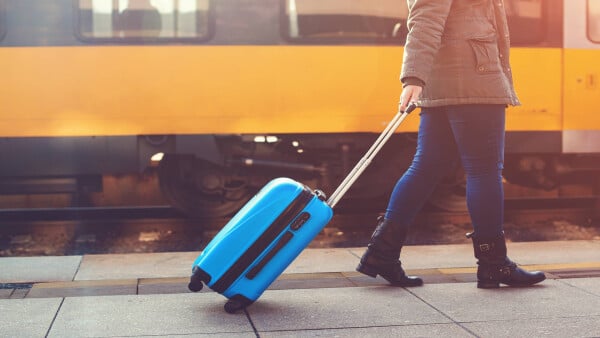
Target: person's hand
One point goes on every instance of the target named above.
(410, 94)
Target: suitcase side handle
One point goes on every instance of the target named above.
(281, 243)
(370, 154)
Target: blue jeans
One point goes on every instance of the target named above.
(471, 134)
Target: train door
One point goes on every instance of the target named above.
(581, 121)
(536, 61)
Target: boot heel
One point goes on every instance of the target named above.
(367, 270)
(488, 285)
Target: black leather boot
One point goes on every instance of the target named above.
(494, 267)
(383, 253)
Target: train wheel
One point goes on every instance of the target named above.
(450, 194)
(201, 189)
(449, 198)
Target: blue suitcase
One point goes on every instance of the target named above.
(269, 232)
(265, 236)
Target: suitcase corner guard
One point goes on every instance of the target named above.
(198, 276)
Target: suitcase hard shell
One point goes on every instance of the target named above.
(260, 241)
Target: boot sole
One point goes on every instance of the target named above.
(496, 284)
(367, 270)
(488, 285)
(371, 272)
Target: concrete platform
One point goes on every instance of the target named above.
(145, 295)
(38, 269)
(557, 308)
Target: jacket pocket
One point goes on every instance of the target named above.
(486, 54)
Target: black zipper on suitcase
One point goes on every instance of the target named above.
(283, 241)
(275, 229)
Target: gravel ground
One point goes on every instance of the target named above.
(77, 237)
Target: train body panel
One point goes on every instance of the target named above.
(582, 89)
(538, 80)
(75, 91)
(581, 118)
(71, 91)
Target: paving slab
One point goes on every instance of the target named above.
(27, 317)
(19, 293)
(438, 256)
(358, 307)
(553, 252)
(84, 288)
(430, 330)
(149, 286)
(311, 281)
(463, 302)
(147, 315)
(208, 335)
(178, 264)
(128, 266)
(550, 327)
(461, 255)
(591, 285)
(323, 260)
(38, 269)
(431, 256)
(5, 293)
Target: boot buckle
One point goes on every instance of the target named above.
(505, 270)
(484, 247)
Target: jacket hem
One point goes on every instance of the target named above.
(467, 100)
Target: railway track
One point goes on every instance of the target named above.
(512, 206)
(69, 231)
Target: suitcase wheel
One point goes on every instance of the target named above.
(195, 285)
(237, 303)
(232, 306)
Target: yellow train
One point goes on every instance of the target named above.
(226, 94)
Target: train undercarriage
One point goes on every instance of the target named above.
(204, 188)
(201, 188)
(237, 166)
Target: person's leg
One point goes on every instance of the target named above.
(435, 154)
(479, 132)
(479, 135)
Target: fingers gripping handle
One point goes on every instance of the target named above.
(368, 157)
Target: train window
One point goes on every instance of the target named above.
(594, 20)
(2, 19)
(144, 20)
(525, 21)
(345, 21)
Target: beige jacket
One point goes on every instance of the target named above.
(460, 50)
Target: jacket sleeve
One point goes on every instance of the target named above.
(426, 21)
(414, 81)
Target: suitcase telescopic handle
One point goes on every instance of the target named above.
(368, 157)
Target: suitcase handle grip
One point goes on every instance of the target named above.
(368, 157)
